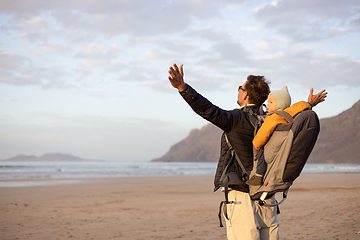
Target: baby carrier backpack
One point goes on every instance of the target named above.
(286, 153)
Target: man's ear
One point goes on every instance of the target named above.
(245, 98)
(245, 95)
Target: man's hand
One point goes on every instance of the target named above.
(177, 77)
(318, 98)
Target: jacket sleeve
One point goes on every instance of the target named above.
(297, 108)
(203, 107)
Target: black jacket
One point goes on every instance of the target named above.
(235, 123)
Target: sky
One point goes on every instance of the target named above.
(89, 77)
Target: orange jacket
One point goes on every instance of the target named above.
(270, 123)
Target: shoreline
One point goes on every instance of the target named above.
(319, 206)
(33, 182)
(39, 170)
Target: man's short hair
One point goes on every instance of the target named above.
(258, 89)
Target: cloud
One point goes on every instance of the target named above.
(306, 68)
(88, 41)
(208, 34)
(264, 45)
(54, 48)
(250, 29)
(314, 20)
(115, 17)
(98, 51)
(309, 20)
(355, 23)
(20, 70)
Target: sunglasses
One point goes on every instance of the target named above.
(241, 88)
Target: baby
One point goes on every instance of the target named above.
(279, 100)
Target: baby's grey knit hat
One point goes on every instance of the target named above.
(282, 98)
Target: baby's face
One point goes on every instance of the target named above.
(271, 106)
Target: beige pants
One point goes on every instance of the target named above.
(250, 221)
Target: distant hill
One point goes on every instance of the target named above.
(339, 138)
(338, 142)
(49, 157)
(200, 146)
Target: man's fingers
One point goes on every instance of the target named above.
(176, 67)
(175, 72)
(181, 69)
(321, 93)
(311, 91)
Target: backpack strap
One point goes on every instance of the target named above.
(236, 156)
(264, 194)
(252, 116)
(255, 119)
(230, 178)
(223, 204)
(285, 115)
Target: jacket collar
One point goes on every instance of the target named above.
(248, 105)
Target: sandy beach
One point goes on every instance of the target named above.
(319, 206)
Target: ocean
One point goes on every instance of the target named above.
(71, 170)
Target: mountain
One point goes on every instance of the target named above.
(338, 142)
(49, 157)
(200, 146)
(339, 138)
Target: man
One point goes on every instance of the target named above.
(246, 218)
